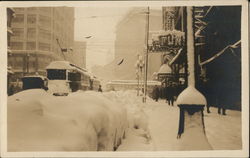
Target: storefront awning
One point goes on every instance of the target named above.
(9, 50)
(9, 30)
(164, 69)
(10, 70)
(174, 58)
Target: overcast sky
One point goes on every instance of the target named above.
(100, 24)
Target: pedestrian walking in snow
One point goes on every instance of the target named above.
(170, 94)
(100, 88)
(224, 99)
(11, 90)
(156, 93)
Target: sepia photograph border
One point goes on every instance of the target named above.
(213, 153)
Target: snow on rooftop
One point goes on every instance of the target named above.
(59, 65)
(35, 76)
(164, 69)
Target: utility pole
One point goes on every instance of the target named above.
(62, 49)
(146, 58)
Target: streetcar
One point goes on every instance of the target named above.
(65, 77)
(34, 82)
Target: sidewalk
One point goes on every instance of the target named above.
(163, 126)
(223, 132)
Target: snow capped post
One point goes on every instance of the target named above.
(191, 102)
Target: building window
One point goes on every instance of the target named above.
(18, 63)
(31, 9)
(18, 33)
(45, 9)
(44, 21)
(44, 34)
(44, 46)
(19, 9)
(19, 18)
(16, 45)
(31, 45)
(31, 19)
(31, 33)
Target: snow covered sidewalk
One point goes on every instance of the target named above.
(223, 132)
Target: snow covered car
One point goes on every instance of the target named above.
(34, 82)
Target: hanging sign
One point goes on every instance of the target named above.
(163, 41)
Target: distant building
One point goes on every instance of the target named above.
(169, 17)
(131, 40)
(78, 55)
(35, 33)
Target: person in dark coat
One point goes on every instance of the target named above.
(223, 99)
(11, 90)
(156, 93)
(170, 94)
(100, 88)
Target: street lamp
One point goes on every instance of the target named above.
(146, 58)
(139, 65)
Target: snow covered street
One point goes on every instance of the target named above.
(90, 121)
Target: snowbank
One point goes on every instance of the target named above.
(82, 121)
(133, 104)
(136, 114)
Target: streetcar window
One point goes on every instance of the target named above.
(32, 83)
(55, 74)
(74, 76)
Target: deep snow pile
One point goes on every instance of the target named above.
(90, 121)
(138, 135)
(135, 108)
(82, 121)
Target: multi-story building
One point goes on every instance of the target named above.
(169, 17)
(78, 56)
(39, 33)
(217, 38)
(10, 16)
(173, 32)
(131, 40)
